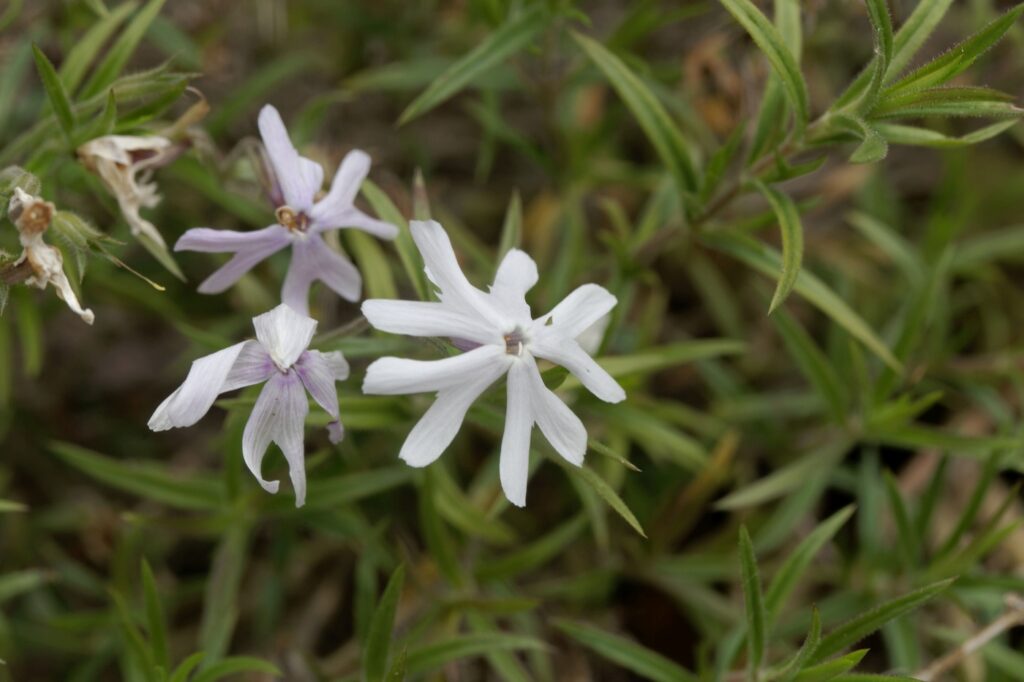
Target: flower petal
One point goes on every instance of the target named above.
(354, 218)
(443, 270)
(300, 178)
(253, 365)
(437, 428)
(426, 318)
(318, 378)
(313, 260)
(577, 311)
(557, 422)
(568, 354)
(515, 443)
(351, 172)
(250, 248)
(278, 416)
(516, 275)
(336, 362)
(284, 334)
(191, 400)
(397, 376)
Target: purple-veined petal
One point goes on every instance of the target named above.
(284, 334)
(568, 354)
(353, 218)
(577, 311)
(350, 175)
(557, 422)
(299, 178)
(252, 366)
(516, 275)
(514, 465)
(313, 260)
(437, 427)
(250, 248)
(397, 376)
(427, 318)
(443, 270)
(190, 401)
(318, 378)
(335, 432)
(278, 416)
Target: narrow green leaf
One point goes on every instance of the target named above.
(901, 252)
(662, 357)
(830, 669)
(77, 62)
(605, 492)
(156, 624)
(146, 480)
(407, 251)
(512, 228)
(342, 490)
(954, 62)
(184, 670)
(782, 61)
(915, 30)
(234, 666)
(55, 92)
(534, 554)
(786, 479)
(220, 597)
(789, 574)
(513, 36)
(754, 603)
(768, 261)
(429, 657)
(792, 232)
(881, 22)
(121, 51)
(796, 665)
(661, 131)
(813, 363)
(907, 540)
(379, 638)
(863, 625)
(638, 659)
(17, 583)
(873, 146)
(896, 133)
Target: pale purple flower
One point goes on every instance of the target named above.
(300, 221)
(505, 339)
(278, 357)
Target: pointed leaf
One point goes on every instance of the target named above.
(634, 657)
(792, 232)
(379, 638)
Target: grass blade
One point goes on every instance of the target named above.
(638, 659)
(112, 65)
(378, 639)
(754, 601)
(792, 241)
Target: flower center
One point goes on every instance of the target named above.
(292, 220)
(515, 342)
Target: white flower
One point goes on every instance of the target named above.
(505, 339)
(32, 216)
(278, 357)
(124, 164)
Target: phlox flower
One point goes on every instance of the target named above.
(32, 216)
(501, 337)
(301, 219)
(278, 357)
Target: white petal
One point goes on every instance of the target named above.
(191, 400)
(516, 275)
(443, 270)
(318, 378)
(427, 318)
(278, 416)
(397, 376)
(437, 428)
(591, 337)
(300, 179)
(557, 422)
(515, 443)
(253, 365)
(576, 312)
(568, 354)
(284, 334)
(313, 260)
(351, 173)
(354, 218)
(337, 363)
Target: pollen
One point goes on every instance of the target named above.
(292, 220)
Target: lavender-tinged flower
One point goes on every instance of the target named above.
(124, 163)
(32, 216)
(505, 339)
(300, 221)
(278, 357)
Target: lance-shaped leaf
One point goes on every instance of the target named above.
(512, 37)
(74, 67)
(873, 146)
(954, 62)
(779, 56)
(792, 232)
(119, 54)
(425, 658)
(897, 133)
(648, 111)
(379, 638)
(753, 599)
(55, 92)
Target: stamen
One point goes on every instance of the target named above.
(295, 222)
(514, 342)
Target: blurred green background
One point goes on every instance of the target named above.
(859, 484)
